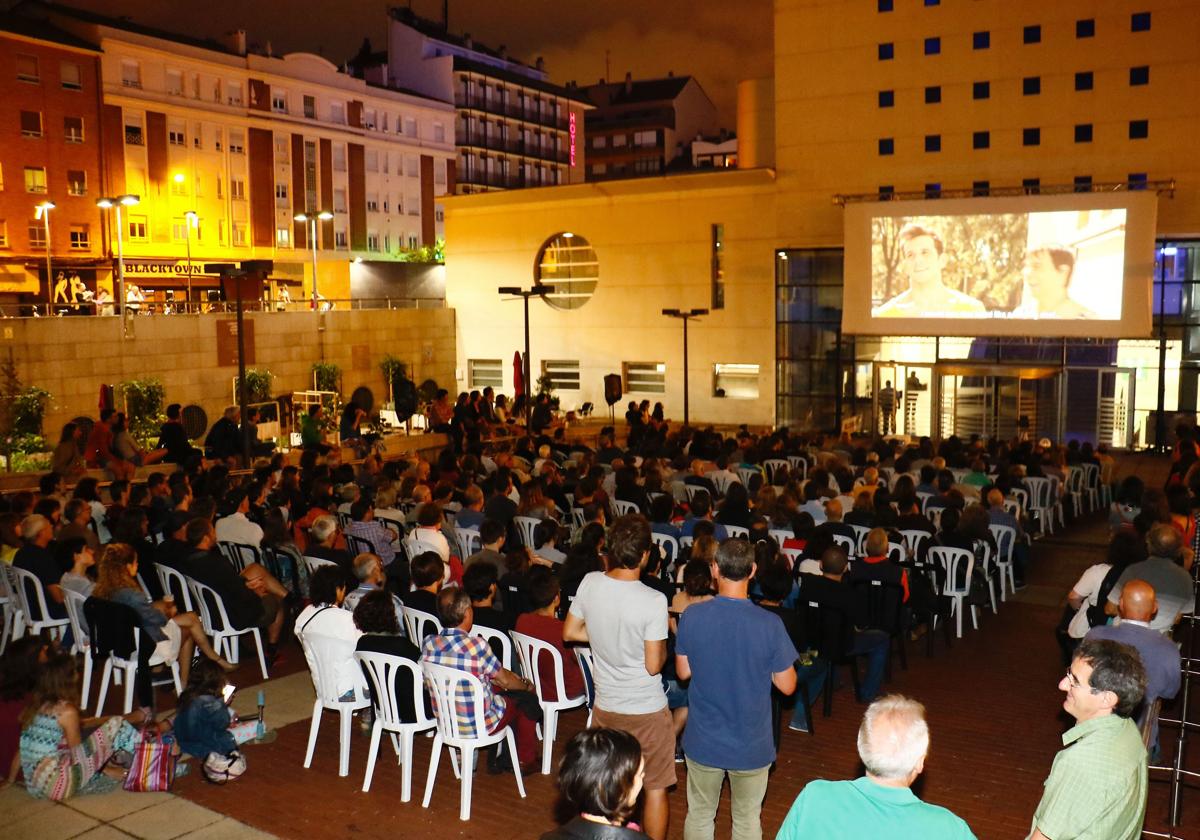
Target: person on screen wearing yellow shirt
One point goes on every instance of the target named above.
(1047, 272)
(922, 258)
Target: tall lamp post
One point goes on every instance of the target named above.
(536, 290)
(43, 213)
(311, 217)
(685, 316)
(115, 204)
(191, 220)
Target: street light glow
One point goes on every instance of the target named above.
(178, 177)
(44, 208)
(129, 200)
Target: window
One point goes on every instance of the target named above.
(238, 233)
(981, 189)
(137, 228)
(886, 191)
(933, 94)
(372, 202)
(1139, 76)
(439, 133)
(279, 102)
(175, 82)
(1031, 85)
(131, 74)
(887, 52)
(1084, 80)
(619, 140)
(35, 179)
(1033, 34)
(887, 146)
(179, 187)
(71, 76)
(933, 190)
(339, 201)
(981, 40)
(73, 129)
(237, 189)
(1031, 136)
(281, 195)
(410, 126)
(28, 69)
(235, 94)
(645, 138)
(885, 5)
(642, 166)
(134, 136)
(562, 375)
(933, 142)
(1139, 22)
(1139, 129)
(645, 377)
(81, 239)
(310, 107)
(414, 205)
(283, 237)
(337, 113)
(981, 140)
(887, 98)
(981, 90)
(1032, 186)
(372, 160)
(31, 123)
(1083, 183)
(933, 2)
(3, 233)
(372, 241)
(179, 229)
(485, 373)
(177, 137)
(339, 240)
(599, 142)
(237, 143)
(76, 182)
(716, 266)
(1085, 28)
(1083, 133)
(339, 157)
(933, 46)
(37, 234)
(735, 381)
(1137, 180)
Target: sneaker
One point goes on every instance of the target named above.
(798, 723)
(679, 757)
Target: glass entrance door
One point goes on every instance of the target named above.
(902, 399)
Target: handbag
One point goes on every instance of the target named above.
(220, 768)
(153, 766)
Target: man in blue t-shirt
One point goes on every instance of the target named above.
(734, 652)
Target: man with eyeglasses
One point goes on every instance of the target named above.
(1097, 784)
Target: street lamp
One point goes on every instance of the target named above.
(536, 290)
(43, 213)
(685, 315)
(311, 218)
(191, 220)
(115, 204)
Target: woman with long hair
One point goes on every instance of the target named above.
(176, 634)
(67, 459)
(600, 779)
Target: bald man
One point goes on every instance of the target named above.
(1160, 657)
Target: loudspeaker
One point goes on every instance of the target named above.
(405, 394)
(612, 388)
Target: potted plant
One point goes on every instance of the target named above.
(258, 385)
(144, 401)
(326, 376)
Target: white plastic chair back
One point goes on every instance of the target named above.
(737, 531)
(669, 546)
(799, 467)
(1006, 540)
(11, 614)
(79, 629)
(623, 508)
(577, 517)
(314, 563)
(923, 499)
(419, 624)
(913, 540)
(860, 539)
(382, 670)
(773, 466)
(691, 490)
(175, 584)
(325, 653)
(780, 535)
(895, 552)
(468, 541)
(240, 555)
(747, 473)
(496, 638)
(952, 560)
(525, 526)
(847, 543)
(24, 583)
(1020, 495)
(215, 620)
(587, 666)
(934, 515)
(721, 481)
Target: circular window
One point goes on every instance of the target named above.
(567, 262)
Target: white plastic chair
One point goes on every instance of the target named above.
(525, 526)
(913, 540)
(1039, 505)
(951, 561)
(127, 666)
(577, 519)
(174, 583)
(623, 508)
(453, 689)
(530, 650)
(1006, 540)
(217, 625)
(847, 543)
(587, 665)
(240, 555)
(469, 541)
(690, 490)
(323, 653)
(923, 500)
(721, 481)
(417, 624)
(23, 583)
(382, 670)
(934, 515)
(74, 604)
(1091, 484)
(773, 466)
(669, 546)
(496, 638)
(860, 539)
(747, 473)
(737, 532)
(10, 609)
(799, 465)
(989, 572)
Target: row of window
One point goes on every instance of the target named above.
(1083, 183)
(29, 70)
(641, 166)
(640, 139)
(1030, 86)
(35, 181)
(1031, 34)
(32, 126)
(1138, 130)
(283, 190)
(80, 235)
(729, 380)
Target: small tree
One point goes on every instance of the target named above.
(258, 385)
(392, 369)
(144, 401)
(326, 376)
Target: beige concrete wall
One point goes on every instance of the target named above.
(652, 238)
(73, 357)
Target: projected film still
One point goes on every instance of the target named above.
(1036, 266)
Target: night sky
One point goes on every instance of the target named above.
(718, 42)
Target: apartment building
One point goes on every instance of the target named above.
(49, 153)
(226, 145)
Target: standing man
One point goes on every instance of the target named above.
(1097, 784)
(887, 407)
(923, 258)
(625, 623)
(734, 652)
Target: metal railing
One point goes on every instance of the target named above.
(216, 307)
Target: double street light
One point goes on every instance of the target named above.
(311, 217)
(685, 315)
(115, 204)
(43, 213)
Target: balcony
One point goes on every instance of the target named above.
(511, 109)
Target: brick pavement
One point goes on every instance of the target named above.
(994, 712)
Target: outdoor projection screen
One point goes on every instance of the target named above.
(1077, 265)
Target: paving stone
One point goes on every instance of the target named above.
(168, 819)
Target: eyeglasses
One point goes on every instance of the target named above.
(1073, 682)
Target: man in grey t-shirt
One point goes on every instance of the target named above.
(625, 623)
(1164, 569)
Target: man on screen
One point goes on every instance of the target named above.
(922, 258)
(1047, 272)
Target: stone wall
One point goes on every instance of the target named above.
(73, 357)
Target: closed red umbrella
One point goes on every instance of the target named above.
(518, 375)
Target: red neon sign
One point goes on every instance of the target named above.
(571, 134)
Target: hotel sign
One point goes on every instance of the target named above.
(571, 134)
(162, 268)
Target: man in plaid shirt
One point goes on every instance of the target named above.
(455, 647)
